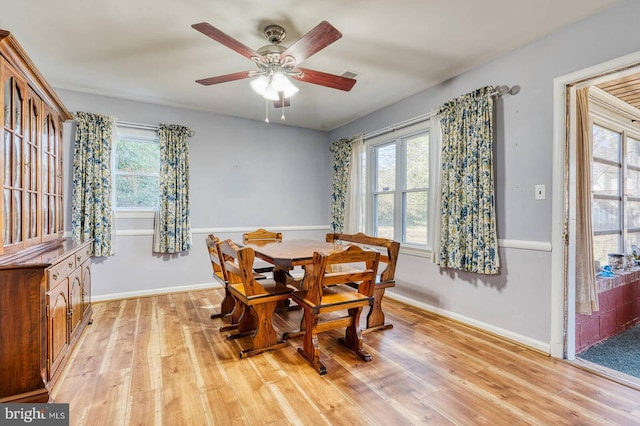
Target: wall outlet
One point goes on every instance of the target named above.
(540, 192)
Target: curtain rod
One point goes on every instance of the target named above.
(145, 126)
(497, 91)
(137, 125)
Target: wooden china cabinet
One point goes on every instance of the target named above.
(45, 279)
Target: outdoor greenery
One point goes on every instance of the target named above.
(137, 166)
(402, 170)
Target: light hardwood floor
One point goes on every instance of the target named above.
(162, 361)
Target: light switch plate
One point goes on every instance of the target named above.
(540, 192)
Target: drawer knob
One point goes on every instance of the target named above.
(79, 258)
(56, 275)
(70, 264)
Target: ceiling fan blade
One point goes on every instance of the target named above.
(224, 78)
(233, 44)
(324, 79)
(317, 39)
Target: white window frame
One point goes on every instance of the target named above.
(141, 135)
(370, 145)
(610, 113)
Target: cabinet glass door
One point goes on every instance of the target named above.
(13, 183)
(32, 139)
(52, 177)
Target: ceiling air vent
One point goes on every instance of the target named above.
(349, 74)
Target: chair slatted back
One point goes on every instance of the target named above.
(325, 274)
(261, 235)
(389, 258)
(213, 246)
(238, 263)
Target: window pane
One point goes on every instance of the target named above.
(136, 171)
(606, 215)
(418, 162)
(633, 238)
(136, 191)
(137, 157)
(383, 215)
(415, 218)
(633, 182)
(603, 245)
(633, 214)
(386, 173)
(605, 179)
(633, 152)
(606, 144)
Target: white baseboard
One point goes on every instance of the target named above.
(526, 341)
(153, 292)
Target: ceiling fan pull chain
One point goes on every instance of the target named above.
(266, 110)
(282, 117)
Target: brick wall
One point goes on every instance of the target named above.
(619, 300)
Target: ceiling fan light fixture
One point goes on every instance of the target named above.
(260, 85)
(269, 88)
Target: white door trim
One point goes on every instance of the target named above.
(563, 298)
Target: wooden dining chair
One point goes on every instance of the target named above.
(385, 277)
(229, 305)
(329, 292)
(258, 297)
(261, 236)
(220, 274)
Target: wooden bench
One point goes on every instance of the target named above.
(384, 280)
(329, 292)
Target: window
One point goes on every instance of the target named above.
(136, 169)
(615, 182)
(399, 188)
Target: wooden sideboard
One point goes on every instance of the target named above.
(45, 280)
(45, 303)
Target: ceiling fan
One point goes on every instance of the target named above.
(276, 62)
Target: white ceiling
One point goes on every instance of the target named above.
(146, 49)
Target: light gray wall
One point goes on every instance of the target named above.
(294, 187)
(243, 175)
(518, 300)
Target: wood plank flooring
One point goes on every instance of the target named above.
(162, 361)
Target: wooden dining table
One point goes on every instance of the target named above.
(286, 255)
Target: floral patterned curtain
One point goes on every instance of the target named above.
(173, 221)
(341, 150)
(91, 213)
(468, 239)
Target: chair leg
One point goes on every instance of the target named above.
(375, 318)
(226, 306)
(353, 336)
(310, 349)
(264, 337)
(236, 314)
(292, 334)
(246, 324)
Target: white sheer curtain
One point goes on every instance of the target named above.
(435, 196)
(354, 203)
(586, 289)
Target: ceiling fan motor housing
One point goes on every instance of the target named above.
(275, 34)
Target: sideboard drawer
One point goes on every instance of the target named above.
(82, 255)
(60, 271)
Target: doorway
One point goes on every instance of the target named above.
(607, 78)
